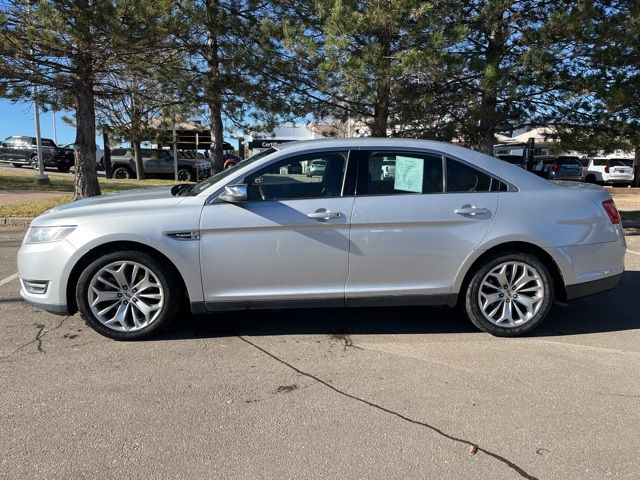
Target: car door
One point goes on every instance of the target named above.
(165, 162)
(151, 161)
(411, 231)
(288, 243)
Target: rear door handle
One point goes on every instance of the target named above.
(471, 210)
(324, 214)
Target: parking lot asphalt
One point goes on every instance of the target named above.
(361, 393)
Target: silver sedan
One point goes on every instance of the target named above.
(449, 226)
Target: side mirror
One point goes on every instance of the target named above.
(234, 194)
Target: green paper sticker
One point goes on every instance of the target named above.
(409, 174)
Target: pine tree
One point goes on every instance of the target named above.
(69, 50)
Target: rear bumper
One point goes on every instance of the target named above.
(580, 290)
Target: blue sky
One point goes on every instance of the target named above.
(17, 119)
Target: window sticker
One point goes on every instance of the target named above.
(409, 174)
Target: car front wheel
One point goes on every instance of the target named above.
(127, 295)
(509, 295)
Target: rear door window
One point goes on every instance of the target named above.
(464, 178)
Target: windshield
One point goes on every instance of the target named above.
(202, 186)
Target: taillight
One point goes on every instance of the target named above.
(612, 211)
(606, 169)
(554, 167)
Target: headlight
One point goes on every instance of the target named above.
(48, 234)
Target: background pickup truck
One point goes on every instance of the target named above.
(158, 163)
(21, 151)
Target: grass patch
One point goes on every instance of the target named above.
(34, 208)
(631, 216)
(23, 180)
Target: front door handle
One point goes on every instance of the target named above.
(324, 214)
(471, 210)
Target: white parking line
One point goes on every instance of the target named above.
(8, 279)
(631, 251)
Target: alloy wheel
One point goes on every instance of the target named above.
(125, 296)
(511, 294)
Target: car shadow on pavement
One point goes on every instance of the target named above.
(615, 310)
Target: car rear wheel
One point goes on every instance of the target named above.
(509, 295)
(122, 173)
(33, 162)
(185, 175)
(127, 295)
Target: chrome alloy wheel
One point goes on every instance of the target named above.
(125, 296)
(511, 294)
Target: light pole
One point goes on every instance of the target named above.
(175, 153)
(41, 178)
(55, 134)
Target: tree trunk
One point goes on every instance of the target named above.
(108, 170)
(383, 87)
(137, 157)
(488, 111)
(86, 177)
(213, 88)
(487, 125)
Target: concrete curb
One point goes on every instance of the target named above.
(16, 221)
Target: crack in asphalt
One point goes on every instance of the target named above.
(472, 446)
(40, 334)
(348, 342)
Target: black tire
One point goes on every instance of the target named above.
(166, 278)
(17, 165)
(64, 166)
(33, 162)
(185, 175)
(121, 173)
(590, 179)
(474, 311)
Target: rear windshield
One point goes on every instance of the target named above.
(621, 162)
(119, 152)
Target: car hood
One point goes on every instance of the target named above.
(143, 201)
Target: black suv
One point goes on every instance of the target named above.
(20, 151)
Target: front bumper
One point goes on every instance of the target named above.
(46, 262)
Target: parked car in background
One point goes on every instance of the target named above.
(518, 160)
(454, 228)
(613, 171)
(21, 151)
(99, 154)
(558, 168)
(316, 167)
(157, 162)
